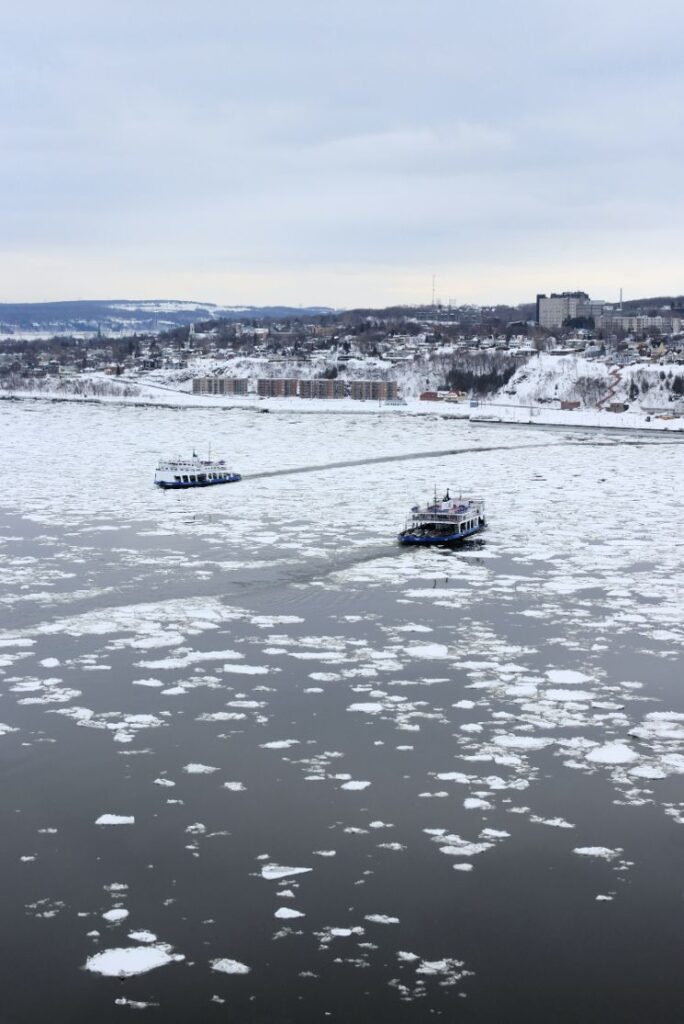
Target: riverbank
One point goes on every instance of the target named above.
(158, 396)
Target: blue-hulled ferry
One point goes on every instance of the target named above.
(195, 472)
(448, 521)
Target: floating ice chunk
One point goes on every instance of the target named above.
(249, 670)
(275, 871)
(521, 690)
(568, 695)
(190, 659)
(381, 919)
(604, 852)
(473, 803)
(279, 744)
(428, 651)
(196, 829)
(325, 853)
(612, 753)
(464, 849)
(222, 716)
(603, 898)
(562, 675)
(6, 728)
(115, 819)
(343, 933)
(368, 708)
(446, 967)
(130, 960)
(50, 662)
(648, 771)
(115, 915)
(553, 822)
(142, 936)
(147, 682)
(495, 833)
(226, 966)
(513, 741)
(354, 784)
(462, 867)
(407, 958)
(135, 1004)
(164, 782)
(235, 787)
(288, 912)
(199, 769)
(454, 777)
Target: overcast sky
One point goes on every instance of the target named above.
(341, 153)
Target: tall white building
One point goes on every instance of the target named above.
(553, 310)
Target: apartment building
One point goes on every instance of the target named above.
(322, 388)
(220, 386)
(374, 390)
(277, 387)
(553, 310)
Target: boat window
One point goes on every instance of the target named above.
(192, 478)
(177, 478)
(185, 479)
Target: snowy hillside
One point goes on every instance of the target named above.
(420, 374)
(592, 383)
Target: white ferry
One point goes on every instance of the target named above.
(195, 472)
(444, 522)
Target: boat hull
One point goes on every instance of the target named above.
(174, 485)
(406, 537)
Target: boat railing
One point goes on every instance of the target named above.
(439, 517)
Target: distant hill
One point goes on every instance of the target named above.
(657, 302)
(131, 315)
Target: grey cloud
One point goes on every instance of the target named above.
(401, 134)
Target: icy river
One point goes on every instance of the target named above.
(260, 764)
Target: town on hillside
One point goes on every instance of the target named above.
(434, 353)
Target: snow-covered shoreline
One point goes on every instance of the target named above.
(589, 419)
(489, 413)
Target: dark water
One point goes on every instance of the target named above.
(408, 635)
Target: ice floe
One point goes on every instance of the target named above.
(127, 961)
(273, 872)
(226, 966)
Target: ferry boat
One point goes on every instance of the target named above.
(195, 472)
(444, 522)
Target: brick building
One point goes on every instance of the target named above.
(277, 387)
(322, 388)
(374, 390)
(220, 386)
